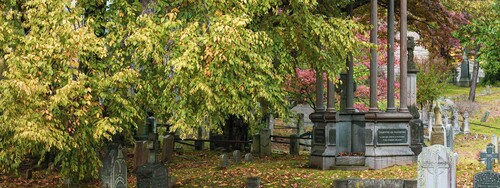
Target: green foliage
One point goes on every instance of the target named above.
(483, 31)
(77, 74)
(431, 82)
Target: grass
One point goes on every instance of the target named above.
(200, 168)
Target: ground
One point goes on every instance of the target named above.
(200, 168)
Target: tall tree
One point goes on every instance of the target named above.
(79, 72)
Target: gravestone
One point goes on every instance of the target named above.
(425, 117)
(224, 161)
(114, 168)
(167, 148)
(438, 134)
(488, 178)
(265, 142)
(450, 137)
(248, 157)
(256, 144)
(152, 174)
(466, 125)
(431, 124)
(489, 156)
(252, 182)
(294, 144)
(446, 120)
(417, 131)
(456, 124)
(237, 156)
(485, 116)
(437, 167)
(494, 141)
(141, 154)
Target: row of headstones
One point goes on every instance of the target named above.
(224, 159)
(437, 168)
(114, 170)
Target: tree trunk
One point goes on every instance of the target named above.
(475, 71)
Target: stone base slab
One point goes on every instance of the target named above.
(351, 168)
(380, 162)
(321, 162)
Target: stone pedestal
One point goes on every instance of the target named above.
(324, 140)
(388, 139)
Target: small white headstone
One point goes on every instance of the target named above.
(437, 167)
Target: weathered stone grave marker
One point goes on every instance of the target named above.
(248, 157)
(265, 142)
(114, 168)
(466, 125)
(456, 124)
(485, 116)
(437, 167)
(224, 161)
(252, 182)
(167, 148)
(237, 156)
(438, 134)
(488, 179)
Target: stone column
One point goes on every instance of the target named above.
(464, 80)
(319, 91)
(373, 58)
(403, 58)
(412, 74)
(330, 100)
(350, 75)
(390, 57)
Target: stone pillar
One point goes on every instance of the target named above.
(256, 144)
(319, 92)
(265, 142)
(198, 145)
(330, 97)
(350, 74)
(403, 58)
(412, 74)
(390, 57)
(294, 144)
(373, 58)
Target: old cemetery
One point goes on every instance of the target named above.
(266, 93)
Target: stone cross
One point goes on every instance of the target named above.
(489, 156)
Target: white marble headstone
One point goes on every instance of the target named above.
(437, 167)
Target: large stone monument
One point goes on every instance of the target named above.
(464, 80)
